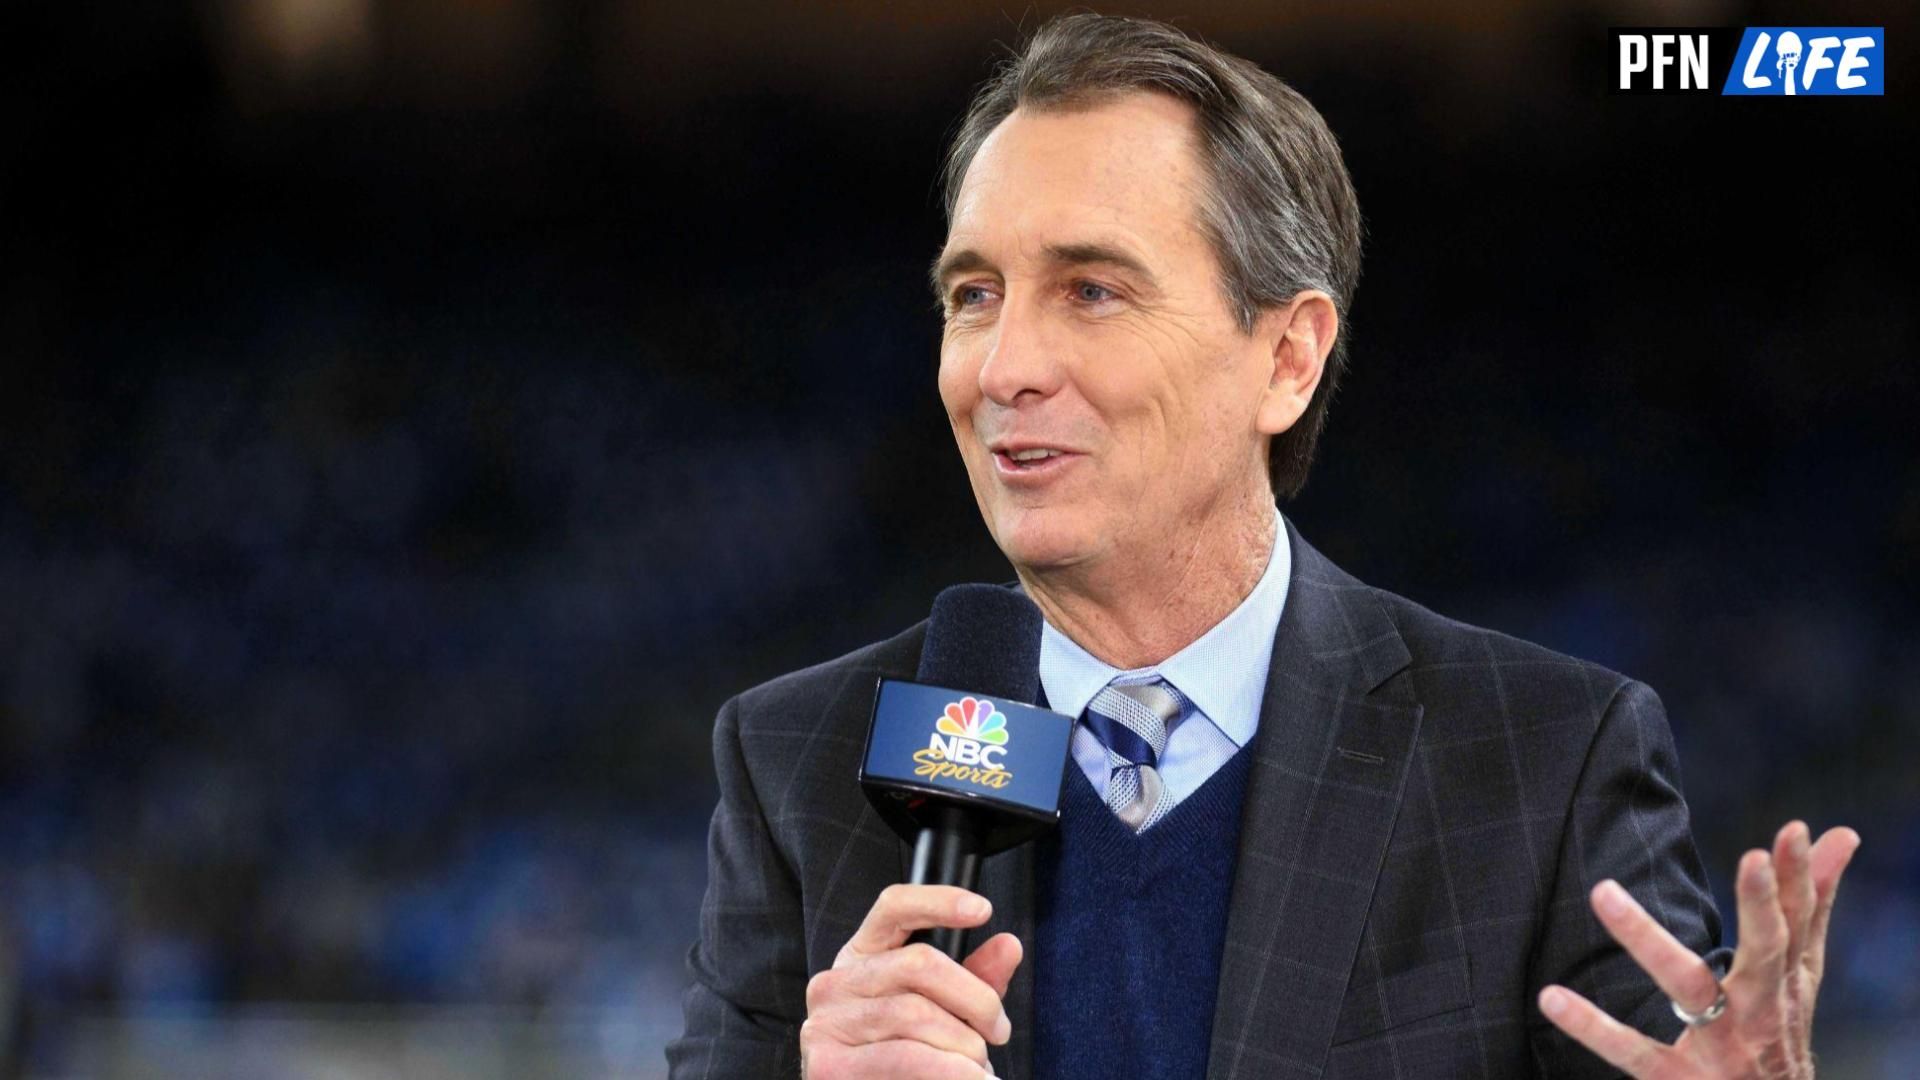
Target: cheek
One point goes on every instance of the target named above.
(1134, 397)
(1117, 373)
(1173, 413)
(954, 384)
(959, 386)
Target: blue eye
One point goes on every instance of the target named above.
(972, 294)
(1092, 293)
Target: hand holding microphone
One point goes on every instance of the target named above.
(961, 770)
(890, 1009)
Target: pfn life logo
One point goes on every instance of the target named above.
(1779, 61)
(1799, 61)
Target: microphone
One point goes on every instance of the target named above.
(1788, 51)
(957, 762)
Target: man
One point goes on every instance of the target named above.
(1310, 827)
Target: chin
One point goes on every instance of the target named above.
(1043, 540)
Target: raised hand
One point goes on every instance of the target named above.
(1759, 1022)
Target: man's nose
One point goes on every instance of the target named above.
(1024, 356)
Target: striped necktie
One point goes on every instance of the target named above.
(1131, 722)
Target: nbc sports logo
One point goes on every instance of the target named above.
(971, 732)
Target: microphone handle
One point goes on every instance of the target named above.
(946, 852)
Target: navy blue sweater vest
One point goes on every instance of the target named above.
(1128, 933)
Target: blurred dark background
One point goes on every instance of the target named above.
(418, 417)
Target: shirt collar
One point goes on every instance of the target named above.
(1223, 671)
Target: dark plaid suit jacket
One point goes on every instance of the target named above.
(1429, 805)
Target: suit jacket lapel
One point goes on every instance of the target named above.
(1330, 761)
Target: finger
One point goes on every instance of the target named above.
(898, 1057)
(1622, 1047)
(857, 1021)
(1791, 847)
(1680, 974)
(1758, 964)
(995, 960)
(902, 909)
(1827, 861)
(922, 969)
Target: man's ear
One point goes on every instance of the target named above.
(1302, 332)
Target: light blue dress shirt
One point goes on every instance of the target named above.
(1223, 673)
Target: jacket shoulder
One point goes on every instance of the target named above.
(1494, 673)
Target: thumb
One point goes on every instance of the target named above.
(995, 960)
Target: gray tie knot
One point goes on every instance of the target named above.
(1144, 709)
(1131, 721)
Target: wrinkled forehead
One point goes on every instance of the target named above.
(1129, 162)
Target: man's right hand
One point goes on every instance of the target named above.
(909, 1012)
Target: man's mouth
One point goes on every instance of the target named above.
(1030, 460)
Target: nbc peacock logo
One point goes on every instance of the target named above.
(975, 719)
(968, 741)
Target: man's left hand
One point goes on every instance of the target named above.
(1765, 1028)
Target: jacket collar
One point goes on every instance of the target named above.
(1330, 762)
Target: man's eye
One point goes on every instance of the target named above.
(1091, 293)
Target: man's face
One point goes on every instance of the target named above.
(1085, 317)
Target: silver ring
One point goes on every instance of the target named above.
(1705, 1016)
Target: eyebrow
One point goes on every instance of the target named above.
(967, 260)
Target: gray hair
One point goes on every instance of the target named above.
(1280, 211)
